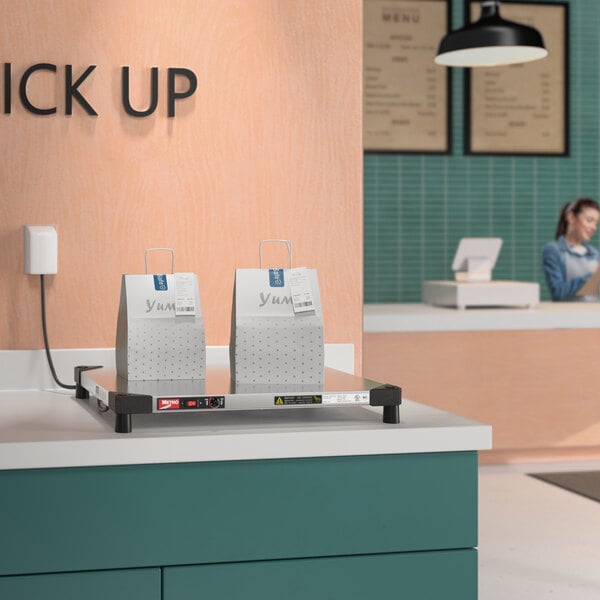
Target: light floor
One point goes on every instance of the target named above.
(536, 540)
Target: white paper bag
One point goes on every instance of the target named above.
(160, 330)
(271, 342)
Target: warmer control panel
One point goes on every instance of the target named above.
(189, 403)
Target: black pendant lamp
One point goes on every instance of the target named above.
(491, 41)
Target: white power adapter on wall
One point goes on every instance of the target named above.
(41, 250)
(41, 258)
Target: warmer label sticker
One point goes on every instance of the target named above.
(346, 398)
(292, 400)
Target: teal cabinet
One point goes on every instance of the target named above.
(451, 575)
(369, 526)
(138, 584)
(82, 519)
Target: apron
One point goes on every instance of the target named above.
(577, 265)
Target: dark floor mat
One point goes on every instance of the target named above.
(585, 483)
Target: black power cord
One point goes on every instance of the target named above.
(46, 345)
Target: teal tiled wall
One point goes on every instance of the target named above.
(417, 207)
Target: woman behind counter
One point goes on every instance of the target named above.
(571, 265)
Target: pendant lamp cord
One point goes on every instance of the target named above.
(46, 345)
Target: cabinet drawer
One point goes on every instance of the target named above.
(133, 584)
(451, 575)
(197, 513)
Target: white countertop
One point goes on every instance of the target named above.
(406, 317)
(45, 427)
(49, 429)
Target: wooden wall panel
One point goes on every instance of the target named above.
(270, 146)
(538, 389)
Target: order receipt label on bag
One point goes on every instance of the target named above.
(185, 299)
(302, 299)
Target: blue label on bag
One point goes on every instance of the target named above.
(276, 277)
(160, 283)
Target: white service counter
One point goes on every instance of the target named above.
(527, 372)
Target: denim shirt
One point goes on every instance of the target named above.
(563, 286)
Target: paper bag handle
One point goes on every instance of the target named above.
(166, 250)
(286, 242)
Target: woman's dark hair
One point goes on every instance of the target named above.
(575, 207)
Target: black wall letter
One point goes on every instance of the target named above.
(72, 91)
(173, 95)
(23, 89)
(7, 98)
(153, 91)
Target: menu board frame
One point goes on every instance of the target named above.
(419, 140)
(557, 114)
